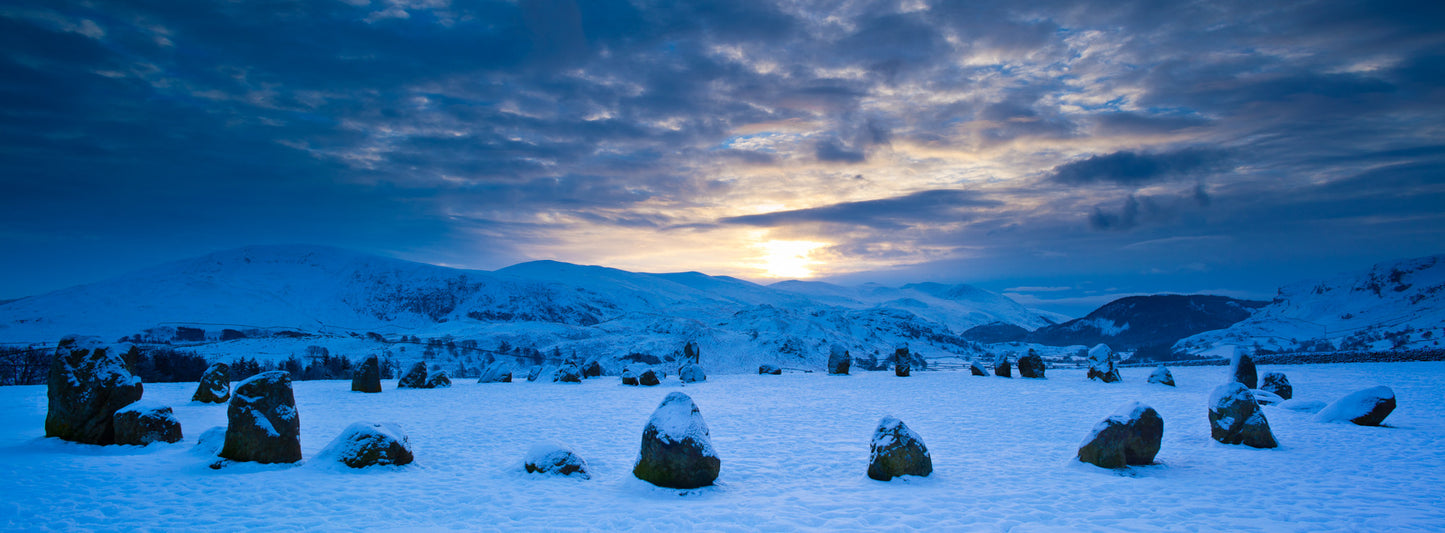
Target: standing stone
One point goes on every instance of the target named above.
(367, 377)
(839, 362)
(976, 368)
(1367, 407)
(86, 386)
(568, 373)
(770, 369)
(1241, 369)
(437, 380)
(897, 451)
(499, 372)
(902, 361)
(364, 444)
(629, 377)
(1277, 383)
(1001, 366)
(648, 378)
(215, 385)
(1031, 365)
(1101, 364)
(555, 459)
(1162, 376)
(691, 354)
(1236, 418)
(414, 378)
(593, 369)
(692, 373)
(263, 424)
(1130, 436)
(676, 448)
(144, 422)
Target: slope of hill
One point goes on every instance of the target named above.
(1145, 321)
(1396, 305)
(271, 301)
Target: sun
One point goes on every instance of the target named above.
(789, 259)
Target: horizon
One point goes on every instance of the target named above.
(1061, 154)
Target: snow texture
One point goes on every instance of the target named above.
(998, 465)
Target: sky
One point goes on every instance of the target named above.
(1062, 153)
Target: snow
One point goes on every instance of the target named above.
(1123, 415)
(1100, 352)
(143, 407)
(1355, 404)
(887, 427)
(795, 453)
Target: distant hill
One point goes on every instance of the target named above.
(1147, 321)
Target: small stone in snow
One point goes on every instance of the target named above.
(1162, 376)
(364, 444)
(551, 458)
(770, 369)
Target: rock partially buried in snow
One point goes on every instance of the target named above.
(263, 424)
(144, 422)
(555, 459)
(1278, 384)
(977, 369)
(1031, 365)
(769, 369)
(1101, 364)
(364, 444)
(1241, 369)
(438, 380)
(692, 373)
(414, 378)
(367, 377)
(86, 386)
(215, 385)
(210, 442)
(1001, 366)
(897, 451)
(1129, 437)
(1236, 418)
(499, 372)
(1367, 407)
(629, 377)
(839, 362)
(1162, 376)
(648, 378)
(676, 448)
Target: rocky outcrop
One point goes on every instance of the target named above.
(1367, 407)
(144, 422)
(414, 378)
(555, 459)
(215, 385)
(1241, 369)
(839, 362)
(1129, 437)
(1162, 376)
(676, 448)
(897, 451)
(367, 377)
(1236, 418)
(1277, 383)
(1031, 365)
(1101, 364)
(769, 369)
(263, 424)
(364, 444)
(86, 386)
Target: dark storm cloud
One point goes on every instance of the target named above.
(1131, 168)
(924, 207)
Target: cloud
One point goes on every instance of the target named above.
(1132, 168)
(925, 207)
(831, 150)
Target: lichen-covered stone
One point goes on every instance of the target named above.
(1101, 364)
(87, 384)
(263, 425)
(897, 451)
(1236, 418)
(1031, 365)
(215, 385)
(1129, 437)
(676, 448)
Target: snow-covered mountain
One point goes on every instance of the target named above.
(274, 300)
(1157, 320)
(1394, 305)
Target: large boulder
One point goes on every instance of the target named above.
(1277, 383)
(592, 369)
(676, 448)
(769, 369)
(499, 372)
(86, 386)
(1001, 366)
(1236, 418)
(414, 378)
(215, 385)
(976, 368)
(367, 377)
(692, 373)
(568, 373)
(364, 444)
(902, 361)
(1367, 407)
(144, 422)
(1031, 365)
(839, 362)
(897, 451)
(648, 378)
(1241, 369)
(555, 459)
(1129, 437)
(1101, 364)
(1162, 376)
(263, 424)
(437, 380)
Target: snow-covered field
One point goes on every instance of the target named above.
(794, 452)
